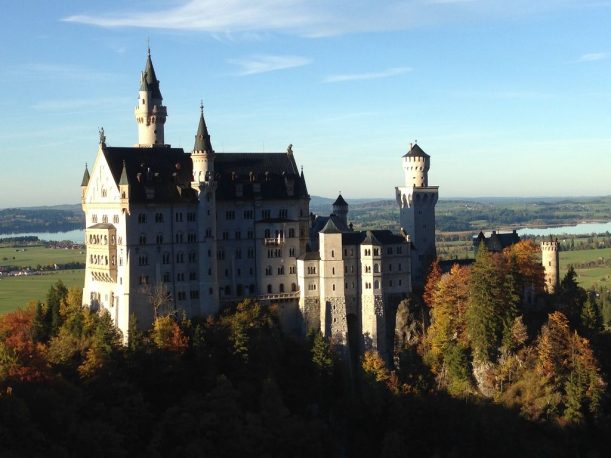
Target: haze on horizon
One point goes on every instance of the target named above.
(510, 98)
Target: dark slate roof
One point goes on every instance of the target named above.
(310, 256)
(376, 237)
(496, 241)
(330, 228)
(151, 78)
(202, 138)
(86, 177)
(273, 173)
(340, 202)
(164, 172)
(416, 151)
(319, 223)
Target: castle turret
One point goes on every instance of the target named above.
(204, 182)
(550, 258)
(417, 202)
(203, 154)
(84, 183)
(340, 209)
(150, 113)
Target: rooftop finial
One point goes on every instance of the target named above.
(148, 46)
(289, 149)
(201, 106)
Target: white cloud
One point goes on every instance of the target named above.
(317, 17)
(593, 56)
(266, 63)
(367, 76)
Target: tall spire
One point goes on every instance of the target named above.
(123, 180)
(151, 78)
(86, 177)
(202, 138)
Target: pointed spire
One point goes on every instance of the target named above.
(86, 177)
(340, 202)
(305, 187)
(151, 79)
(123, 181)
(144, 86)
(202, 138)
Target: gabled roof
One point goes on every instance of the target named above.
(319, 223)
(155, 175)
(258, 175)
(340, 202)
(86, 177)
(330, 228)
(416, 151)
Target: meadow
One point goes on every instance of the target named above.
(39, 255)
(593, 267)
(18, 291)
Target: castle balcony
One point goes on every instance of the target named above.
(278, 296)
(273, 241)
(101, 243)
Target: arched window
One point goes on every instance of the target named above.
(269, 289)
(293, 287)
(376, 284)
(281, 287)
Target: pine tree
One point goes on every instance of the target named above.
(322, 356)
(591, 318)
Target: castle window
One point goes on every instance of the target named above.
(281, 287)
(178, 217)
(208, 233)
(192, 276)
(293, 287)
(115, 219)
(333, 286)
(179, 237)
(267, 233)
(390, 267)
(226, 272)
(180, 258)
(333, 271)
(182, 295)
(292, 269)
(225, 235)
(238, 253)
(159, 217)
(251, 253)
(238, 272)
(291, 233)
(269, 289)
(220, 255)
(142, 239)
(94, 218)
(376, 252)
(266, 214)
(159, 239)
(399, 267)
(143, 279)
(376, 268)
(230, 215)
(210, 291)
(332, 253)
(192, 257)
(194, 294)
(166, 277)
(141, 218)
(400, 282)
(180, 276)
(376, 284)
(399, 250)
(283, 213)
(292, 252)
(268, 270)
(248, 214)
(389, 250)
(165, 258)
(281, 270)
(389, 282)
(238, 235)
(191, 237)
(105, 218)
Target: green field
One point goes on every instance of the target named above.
(587, 276)
(35, 255)
(18, 291)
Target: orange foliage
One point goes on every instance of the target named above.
(168, 335)
(432, 280)
(527, 255)
(21, 357)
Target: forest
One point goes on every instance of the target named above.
(485, 364)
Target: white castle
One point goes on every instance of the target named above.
(207, 229)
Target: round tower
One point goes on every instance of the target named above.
(550, 258)
(150, 113)
(416, 165)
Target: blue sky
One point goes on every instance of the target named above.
(510, 98)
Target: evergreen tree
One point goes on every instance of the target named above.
(591, 318)
(322, 356)
(56, 296)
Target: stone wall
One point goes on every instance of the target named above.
(310, 312)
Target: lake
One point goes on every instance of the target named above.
(578, 229)
(78, 236)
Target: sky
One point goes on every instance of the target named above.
(508, 97)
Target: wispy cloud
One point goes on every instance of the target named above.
(316, 17)
(267, 63)
(367, 76)
(593, 56)
(66, 72)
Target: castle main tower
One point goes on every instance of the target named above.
(417, 202)
(550, 258)
(150, 113)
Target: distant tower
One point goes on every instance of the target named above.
(550, 258)
(150, 113)
(340, 209)
(204, 182)
(417, 202)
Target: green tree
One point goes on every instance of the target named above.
(322, 356)
(591, 318)
(56, 296)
